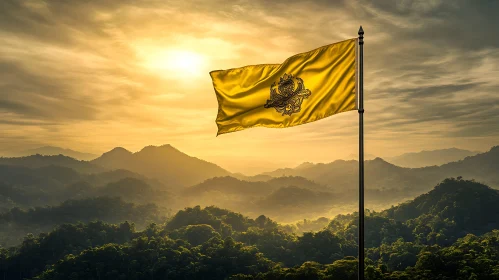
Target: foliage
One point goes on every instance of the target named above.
(439, 235)
(17, 222)
(35, 253)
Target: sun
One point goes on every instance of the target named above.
(176, 63)
(185, 61)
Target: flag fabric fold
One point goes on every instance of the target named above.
(306, 87)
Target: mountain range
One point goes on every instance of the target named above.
(167, 176)
(164, 163)
(381, 175)
(430, 158)
(200, 182)
(115, 157)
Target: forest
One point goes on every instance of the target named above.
(450, 232)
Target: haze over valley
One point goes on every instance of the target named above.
(171, 179)
(121, 197)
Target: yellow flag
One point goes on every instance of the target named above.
(305, 88)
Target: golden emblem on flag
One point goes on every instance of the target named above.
(288, 96)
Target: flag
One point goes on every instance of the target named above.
(306, 87)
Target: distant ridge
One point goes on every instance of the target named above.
(228, 184)
(53, 151)
(430, 158)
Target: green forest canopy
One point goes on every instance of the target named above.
(439, 235)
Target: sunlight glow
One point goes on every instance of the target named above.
(177, 63)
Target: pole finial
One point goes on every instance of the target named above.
(361, 36)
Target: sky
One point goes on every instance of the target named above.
(94, 75)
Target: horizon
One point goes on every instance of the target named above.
(244, 170)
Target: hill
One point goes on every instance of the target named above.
(49, 176)
(256, 178)
(287, 198)
(36, 161)
(229, 185)
(296, 181)
(430, 158)
(164, 163)
(50, 185)
(103, 178)
(469, 207)
(25, 187)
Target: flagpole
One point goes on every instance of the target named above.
(361, 153)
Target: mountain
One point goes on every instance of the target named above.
(430, 158)
(164, 163)
(115, 157)
(54, 151)
(37, 161)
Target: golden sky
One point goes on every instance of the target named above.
(93, 75)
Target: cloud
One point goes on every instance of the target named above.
(74, 68)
